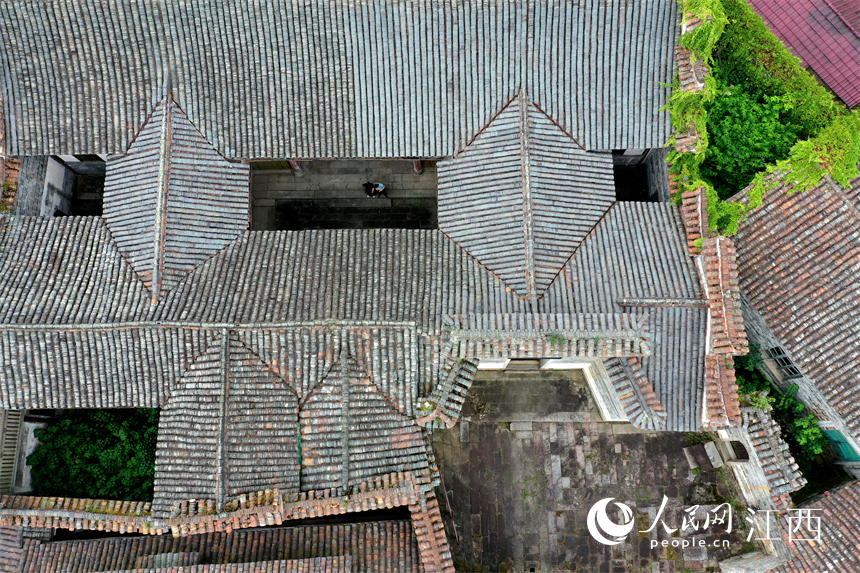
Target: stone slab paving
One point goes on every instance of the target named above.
(329, 195)
(520, 492)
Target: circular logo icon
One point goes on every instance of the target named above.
(599, 523)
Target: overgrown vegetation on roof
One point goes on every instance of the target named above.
(800, 428)
(97, 454)
(759, 112)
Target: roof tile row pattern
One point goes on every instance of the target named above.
(782, 472)
(849, 11)
(12, 550)
(261, 508)
(840, 523)
(333, 79)
(350, 432)
(310, 565)
(229, 427)
(798, 261)
(636, 393)
(719, 260)
(722, 403)
(509, 194)
(635, 251)
(820, 36)
(64, 270)
(694, 213)
(172, 201)
(370, 546)
(303, 356)
(480, 336)
(132, 367)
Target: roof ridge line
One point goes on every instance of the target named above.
(161, 201)
(558, 125)
(528, 223)
(128, 325)
(579, 246)
(839, 15)
(486, 125)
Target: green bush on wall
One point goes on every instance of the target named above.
(776, 97)
(97, 454)
(745, 135)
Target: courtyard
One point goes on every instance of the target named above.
(520, 489)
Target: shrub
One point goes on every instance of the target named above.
(745, 135)
(749, 54)
(98, 454)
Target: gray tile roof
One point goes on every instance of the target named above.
(638, 251)
(63, 271)
(522, 195)
(346, 423)
(290, 296)
(228, 428)
(373, 547)
(172, 201)
(333, 78)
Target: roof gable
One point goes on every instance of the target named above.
(172, 201)
(522, 196)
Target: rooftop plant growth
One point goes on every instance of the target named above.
(97, 454)
(759, 112)
(800, 428)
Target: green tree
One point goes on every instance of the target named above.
(745, 134)
(97, 454)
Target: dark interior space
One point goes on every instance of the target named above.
(630, 168)
(88, 185)
(631, 183)
(292, 196)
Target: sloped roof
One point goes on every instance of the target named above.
(819, 35)
(840, 523)
(522, 195)
(345, 422)
(332, 78)
(798, 262)
(172, 201)
(288, 295)
(376, 546)
(849, 10)
(228, 428)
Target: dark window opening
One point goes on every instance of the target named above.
(85, 182)
(789, 370)
(329, 194)
(631, 176)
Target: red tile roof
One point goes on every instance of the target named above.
(820, 36)
(840, 526)
(798, 260)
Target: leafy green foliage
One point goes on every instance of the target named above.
(749, 54)
(6, 195)
(98, 454)
(777, 97)
(745, 135)
(702, 40)
(799, 428)
(751, 360)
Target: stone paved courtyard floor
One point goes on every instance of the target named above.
(519, 491)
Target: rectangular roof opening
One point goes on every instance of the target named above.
(330, 194)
